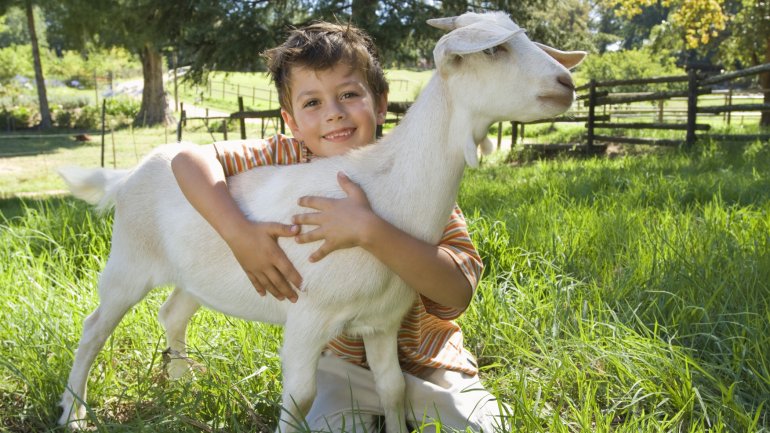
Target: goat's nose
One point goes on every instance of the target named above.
(566, 81)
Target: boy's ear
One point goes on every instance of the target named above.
(382, 108)
(289, 119)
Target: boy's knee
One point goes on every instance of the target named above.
(346, 422)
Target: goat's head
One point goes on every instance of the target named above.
(499, 74)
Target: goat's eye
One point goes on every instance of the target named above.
(493, 50)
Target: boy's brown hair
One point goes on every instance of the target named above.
(322, 46)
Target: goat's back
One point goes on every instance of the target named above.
(157, 229)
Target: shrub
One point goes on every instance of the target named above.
(62, 118)
(88, 117)
(123, 107)
(15, 61)
(20, 116)
(628, 64)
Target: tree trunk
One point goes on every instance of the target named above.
(45, 112)
(764, 83)
(154, 109)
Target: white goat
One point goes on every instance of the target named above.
(488, 70)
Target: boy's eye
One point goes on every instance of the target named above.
(348, 95)
(310, 103)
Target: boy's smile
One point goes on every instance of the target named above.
(333, 110)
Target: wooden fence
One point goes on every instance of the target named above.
(593, 96)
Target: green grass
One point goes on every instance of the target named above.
(29, 160)
(625, 295)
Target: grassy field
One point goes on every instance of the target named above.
(222, 89)
(627, 294)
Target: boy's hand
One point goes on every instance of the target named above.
(342, 223)
(256, 249)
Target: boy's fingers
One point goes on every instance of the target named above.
(311, 236)
(255, 283)
(314, 202)
(351, 188)
(264, 284)
(310, 218)
(287, 269)
(281, 287)
(278, 229)
(320, 253)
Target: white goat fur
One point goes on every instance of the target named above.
(411, 178)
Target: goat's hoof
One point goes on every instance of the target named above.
(74, 419)
(177, 368)
(178, 365)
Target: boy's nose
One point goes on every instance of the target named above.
(335, 113)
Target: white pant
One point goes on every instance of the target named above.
(347, 401)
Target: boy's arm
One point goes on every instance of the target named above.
(201, 179)
(349, 222)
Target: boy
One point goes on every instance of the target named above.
(333, 95)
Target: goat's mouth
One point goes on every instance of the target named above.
(557, 99)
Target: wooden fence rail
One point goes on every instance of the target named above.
(592, 98)
(697, 85)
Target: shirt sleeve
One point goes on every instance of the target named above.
(237, 156)
(457, 243)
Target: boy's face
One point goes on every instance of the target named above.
(333, 110)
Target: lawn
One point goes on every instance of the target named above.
(627, 294)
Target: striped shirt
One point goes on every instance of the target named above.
(428, 337)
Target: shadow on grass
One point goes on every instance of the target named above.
(31, 143)
(15, 207)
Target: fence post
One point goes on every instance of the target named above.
(591, 115)
(104, 114)
(182, 120)
(692, 106)
(499, 134)
(242, 120)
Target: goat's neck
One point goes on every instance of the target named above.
(426, 151)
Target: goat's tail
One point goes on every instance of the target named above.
(96, 186)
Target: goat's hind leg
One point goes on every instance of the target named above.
(305, 336)
(118, 292)
(382, 353)
(174, 315)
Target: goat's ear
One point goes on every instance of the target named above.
(469, 39)
(568, 59)
(442, 23)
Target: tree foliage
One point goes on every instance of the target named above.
(696, 21)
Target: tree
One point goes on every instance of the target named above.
(749, 43)
(207, 34)
(29, 10)
(141, 26)
(741, 28)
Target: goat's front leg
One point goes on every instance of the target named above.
(382, 353)
(96, 329)
(174, 315)
(304, 337)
